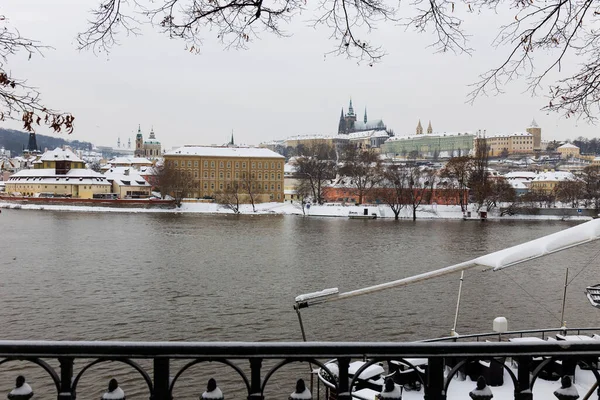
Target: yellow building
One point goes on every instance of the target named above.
(58, 172)
(215, 169)
(536, 132)
(506, 144)
(547, 181)
(568, 150)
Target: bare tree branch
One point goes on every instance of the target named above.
(18, 100)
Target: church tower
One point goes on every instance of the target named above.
(139, 143)
(535, 131)
(365, 118)
(32, 144)
(429, 128)
(350, 118)
(342, 124)
(419, 128)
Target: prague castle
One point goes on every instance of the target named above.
(349, 123)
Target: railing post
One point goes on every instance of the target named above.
(434, 387)
(344, 381)
(523, 391)
(255, 380)
(66, 378)
(161, 379)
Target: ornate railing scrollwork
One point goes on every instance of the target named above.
(74, 362)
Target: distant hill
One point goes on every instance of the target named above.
(15, 141)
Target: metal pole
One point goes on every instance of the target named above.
(300, 321)
(453, 332)
(590, 392)
(562, 315)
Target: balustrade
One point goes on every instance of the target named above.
(72, 361)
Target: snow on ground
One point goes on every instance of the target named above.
(325, 210)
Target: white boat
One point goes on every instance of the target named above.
(365, 215)
(408, 375)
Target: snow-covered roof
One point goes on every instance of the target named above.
(369, 125)
(434, 134)
(48, 175)
(51, 172)
(518, 184)
(555, 176)
(126, 176)
(59, 154)
(567, 146)
(130, 160)
(319, 136)
(367, 134)
(520, 174)
(289, 168)
(207, 151)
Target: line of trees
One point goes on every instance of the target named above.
(584, 191)
(408, 184)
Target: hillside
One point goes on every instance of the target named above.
(15, 141)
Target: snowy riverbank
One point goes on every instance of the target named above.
(326, 210)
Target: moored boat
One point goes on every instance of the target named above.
(365, 215)
(408, 375)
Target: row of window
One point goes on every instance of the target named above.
(259, 176)
(46, 187)
(222, 164)
(255, 186)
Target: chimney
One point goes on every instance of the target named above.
(127, 172)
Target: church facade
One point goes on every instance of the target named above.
(150, 148)
(350, 124)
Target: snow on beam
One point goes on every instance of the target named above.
(545, 245)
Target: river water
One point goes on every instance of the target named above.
(103, 276)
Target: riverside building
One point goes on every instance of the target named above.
(502, 145)
(216, 169)
(58, 172)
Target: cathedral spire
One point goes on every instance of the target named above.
(152, 133)
(350, 108)
(342, 123)
(231, 142)
(365, 119)
(419, 128)
(429, 128)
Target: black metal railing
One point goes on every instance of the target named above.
(66, 362)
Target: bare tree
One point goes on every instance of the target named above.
(18, 99)
(458, 170)
(591, 182)
(570, 191)
(230, 197)
(174, 182)
(500, 191)
(363, 167)
(249, 187)
(479, 181)
(315, 167)
(392, 187)
(420, 183)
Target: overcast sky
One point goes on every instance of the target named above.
(278, 88)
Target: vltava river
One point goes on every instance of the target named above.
(102, 276)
